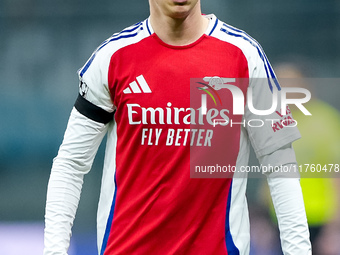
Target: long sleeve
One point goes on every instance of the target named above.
(75, 157)
(288, 202)
(290, 211)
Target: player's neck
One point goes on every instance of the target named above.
(179, 31)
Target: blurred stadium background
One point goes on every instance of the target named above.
(43, 43)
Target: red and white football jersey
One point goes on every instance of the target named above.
(151, 200)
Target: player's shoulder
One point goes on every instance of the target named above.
(238, 37)
(117, 41)
(127, 36)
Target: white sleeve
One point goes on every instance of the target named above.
(288, 202)
(263, 91)
(75, 157)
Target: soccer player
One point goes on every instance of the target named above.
(137, 87)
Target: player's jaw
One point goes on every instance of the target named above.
(174, 8)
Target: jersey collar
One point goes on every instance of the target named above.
(211, 27)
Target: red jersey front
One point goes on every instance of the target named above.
(149, 204)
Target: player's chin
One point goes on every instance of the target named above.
(180, 11)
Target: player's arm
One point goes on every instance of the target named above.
(288, 202)
(272, 145)
(86, 128)
(85, 131)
